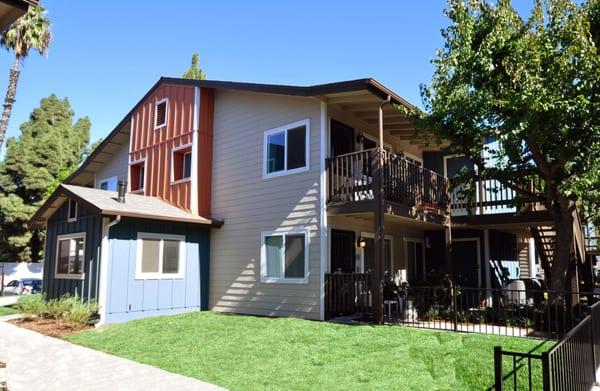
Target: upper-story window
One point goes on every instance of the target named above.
(73, 210)
(137, 175)
(160, 113)
(181, 163)
(286, 149)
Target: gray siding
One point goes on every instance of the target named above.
(116, 167)
(87, 222)
(250, 205)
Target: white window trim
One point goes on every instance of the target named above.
(173, 151)
(263, 258)
(166, 101)
(284, 129)
(66, 276)
(139, 275)
(424, 264)
(107, 181)
(370, 235)
(69, 218)
(138, 163)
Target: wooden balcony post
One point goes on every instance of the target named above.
(379, 235)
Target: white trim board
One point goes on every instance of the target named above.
(68, 276)
(284, 129)
(263, 257)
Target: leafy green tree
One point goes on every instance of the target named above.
(50, 147)
(533, 84)
(30, 31)
(194, 72)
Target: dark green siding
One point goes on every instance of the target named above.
(88, 222)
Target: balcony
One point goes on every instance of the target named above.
(413, 191)
(408, 188)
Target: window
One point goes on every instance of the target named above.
(284, 257)
(109, 184)
(181, 163)
(73, 207)
(160, 256)
(137, 175)
(70, 252)
(286, 149)
(160, 113)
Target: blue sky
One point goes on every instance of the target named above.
(106, 55)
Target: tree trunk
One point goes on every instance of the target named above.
(9, 100)
(564, 251)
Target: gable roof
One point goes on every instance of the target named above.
(105, 203)
(113, 139)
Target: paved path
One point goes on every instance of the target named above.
(8, 300)
(37, 362)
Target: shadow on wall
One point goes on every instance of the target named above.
(16, 270)
(235, 284)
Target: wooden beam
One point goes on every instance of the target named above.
(396, 120)
(359, 98)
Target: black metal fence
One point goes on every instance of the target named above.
(571, 364)
(510, 312)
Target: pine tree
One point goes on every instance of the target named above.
(194, 72)
(50, 147)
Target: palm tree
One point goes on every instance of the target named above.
(30, 31)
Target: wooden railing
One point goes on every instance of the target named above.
(350, 179)
(489, 197)
(347, 294)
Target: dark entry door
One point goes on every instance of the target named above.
(465, 258)
(342, 138)
(343, 251)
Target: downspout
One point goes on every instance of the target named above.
(103, 284)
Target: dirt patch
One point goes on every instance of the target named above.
(49, 327)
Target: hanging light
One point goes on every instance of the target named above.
(361, 242)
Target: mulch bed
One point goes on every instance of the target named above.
(49, 327)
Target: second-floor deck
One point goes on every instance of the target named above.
(414, 191)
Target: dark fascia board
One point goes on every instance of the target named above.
(366, 84)
(21, 4)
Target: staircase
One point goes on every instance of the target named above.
(544, 238)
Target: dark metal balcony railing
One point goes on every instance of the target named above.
(350, 179)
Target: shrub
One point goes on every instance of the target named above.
(66, 308)
(31, 305)
(81, 313)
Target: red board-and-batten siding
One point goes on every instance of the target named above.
(154, 146)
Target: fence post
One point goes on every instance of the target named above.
(593, 340)
(498, 376)
(546, 372)
(454, 307)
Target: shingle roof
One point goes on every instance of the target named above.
(106, 204)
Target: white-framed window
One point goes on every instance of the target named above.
(137, 175)
(284, 257)
(286, 149)
(73, 211)
(70, 254)
(109, 184)
(181, 163)
(159, 256)
(161, 112)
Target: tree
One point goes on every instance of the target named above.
(51, 146)
(533, 84)
(194, 72)
(30, 31)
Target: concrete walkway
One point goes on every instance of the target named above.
(37, 362)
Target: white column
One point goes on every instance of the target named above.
(323, 229)
(532, 263)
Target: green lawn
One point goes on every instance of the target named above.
(245, 352)
(7, 311)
